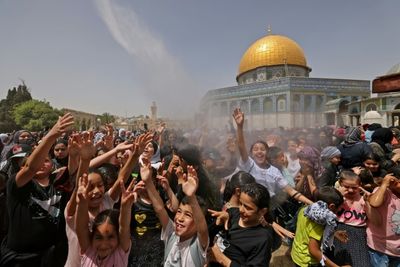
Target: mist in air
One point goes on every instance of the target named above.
(162, 77)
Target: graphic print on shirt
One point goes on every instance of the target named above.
(396, 222)
(48, 208)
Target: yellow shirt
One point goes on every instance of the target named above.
(305, 229)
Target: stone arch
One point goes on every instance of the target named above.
(268, 105)
(281, 103)
(255, 106)
(244, 106)
(296, 103)
(371, 106)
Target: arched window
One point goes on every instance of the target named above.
(268, 105)
(255, 106)
(281, 104)
(370, 107)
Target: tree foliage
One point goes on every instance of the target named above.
(35, 115)
(106, 118)
(14, 97)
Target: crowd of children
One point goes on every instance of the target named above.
(162, 197)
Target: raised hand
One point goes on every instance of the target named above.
(163, 182)
(109, 137)
(222, 217)
(141, 142)
(82, 194)
(238, 115)
(146, 171)
(73, 145)
(191, 182)
(128, 195)
(62, 125)
(123, 146)
(87, 149)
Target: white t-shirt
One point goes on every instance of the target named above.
(74, 250)
(271, 178)
(180, 253)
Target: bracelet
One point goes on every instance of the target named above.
(296, 194)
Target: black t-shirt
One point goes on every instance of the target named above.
(35, 214)
(251, 246)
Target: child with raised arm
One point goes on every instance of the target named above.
(185, 238)
(383, 227)
(109, 242)
(34, 207)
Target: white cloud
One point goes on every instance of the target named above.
(162, 76)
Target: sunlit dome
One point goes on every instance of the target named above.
(272, 50)
(393, 70)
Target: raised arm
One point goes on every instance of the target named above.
(97, 161)
(82, 214)
(238, 115)
(173, 203)
(297, 195)
(189, 187)
(126, 170)
(158, 204)
(39, 154)
(377, 198)
(84, 144)
(127, 200)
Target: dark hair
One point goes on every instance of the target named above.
(329, 195)
(99, 172)
(348, 175)
(109, 174)
(110, 216)
(366, 176)
(273, 153)
(190, 154)
(259, 142)
(258, 193)
(200, 200)
(371, 156)
(237, 180)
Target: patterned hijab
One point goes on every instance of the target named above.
(312, 155)
(353, 136)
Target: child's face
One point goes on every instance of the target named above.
(250, 214)
(148, 151)
(105, 239)
(185, 227)
(372, 165)
(335, 160)
(46, 168)
(259, 153)
(279, 160)
(96, 189)
(351, 188)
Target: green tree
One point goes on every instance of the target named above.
(35, 115)
(106, 118)
(14, 96)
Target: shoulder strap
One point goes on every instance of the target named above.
(168, 246)
(194, 253)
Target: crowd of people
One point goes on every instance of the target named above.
(200, 197)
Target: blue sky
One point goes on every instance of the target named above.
(118, 56)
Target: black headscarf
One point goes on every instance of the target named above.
(382, 136)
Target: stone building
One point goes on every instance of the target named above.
(384, 107)
(274, 89)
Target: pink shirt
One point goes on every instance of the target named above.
(353, 212)
(74, 250)
(119, 258)
(385, 237)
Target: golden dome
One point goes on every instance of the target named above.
(272, 50)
